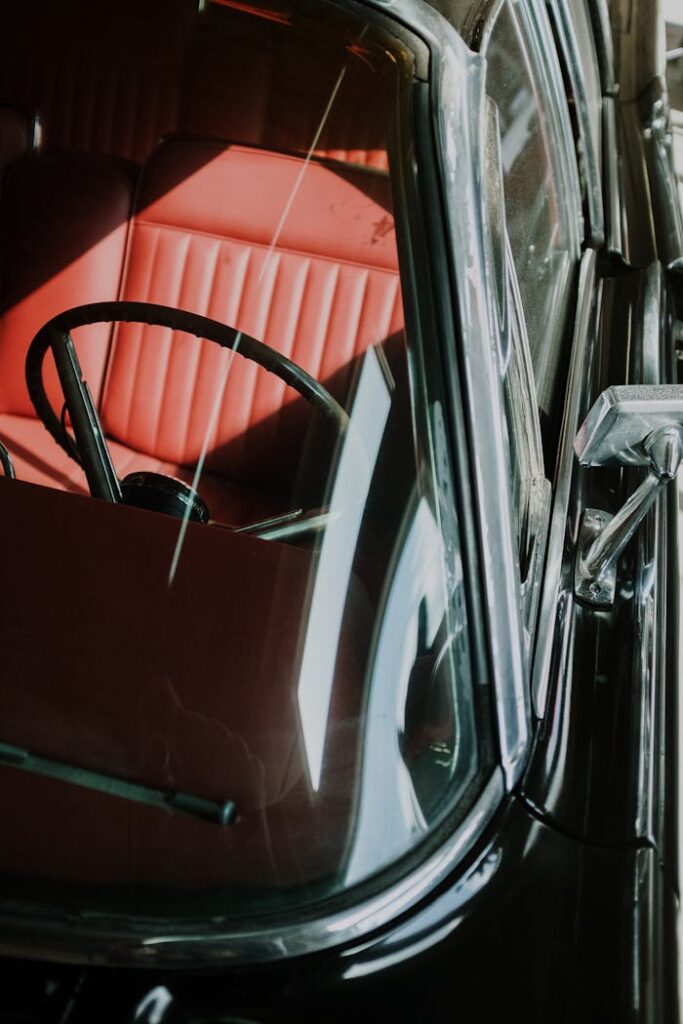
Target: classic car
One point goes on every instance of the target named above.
(339, 415)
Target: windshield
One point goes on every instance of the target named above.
(267, 708)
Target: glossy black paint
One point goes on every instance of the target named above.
(604, 764)
(539, 927)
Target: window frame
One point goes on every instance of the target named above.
(531, 23)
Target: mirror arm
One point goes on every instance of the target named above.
(603, 537)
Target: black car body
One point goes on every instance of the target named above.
(382, 747)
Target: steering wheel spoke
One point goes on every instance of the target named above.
(94, 451)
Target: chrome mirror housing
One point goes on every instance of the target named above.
(632, 425)
(620, 420)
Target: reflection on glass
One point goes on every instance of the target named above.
(347, 504)
(418, 732)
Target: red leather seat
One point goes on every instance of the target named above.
(327, 291)
(63, 226)
(200, 239)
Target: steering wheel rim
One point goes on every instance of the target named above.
(55, 335)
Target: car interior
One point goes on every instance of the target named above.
(228, 160)
(148, 153)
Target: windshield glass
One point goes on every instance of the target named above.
(265, 709)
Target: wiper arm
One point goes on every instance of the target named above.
(182, 803)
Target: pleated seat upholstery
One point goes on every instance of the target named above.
(326, 291)
(207, 234)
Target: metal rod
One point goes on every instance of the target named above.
(99, 470)
(609, 544)
(665, 450)
(182, 803)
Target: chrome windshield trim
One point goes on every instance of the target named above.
(207, 943)
(581, 345)
(461, 125)
(459, 115)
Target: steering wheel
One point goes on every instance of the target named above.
(90, 450)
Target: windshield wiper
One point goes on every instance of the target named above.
(182, 803)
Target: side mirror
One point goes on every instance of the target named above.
(632, 425)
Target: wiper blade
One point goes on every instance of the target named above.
(182, 803)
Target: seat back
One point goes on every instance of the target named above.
(105, 76)
(251, 78)
(301, 256)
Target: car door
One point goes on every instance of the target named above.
(604, 765)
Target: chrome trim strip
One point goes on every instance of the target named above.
(666, 207)
(460, 122)
(460, 113)
(36, 141)
(650, 587)
(539, 35)
(6, 463)
(581, 345)
(482, 29)
(99, 940)
(612, 179)
(570, 47)
(602, 34)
